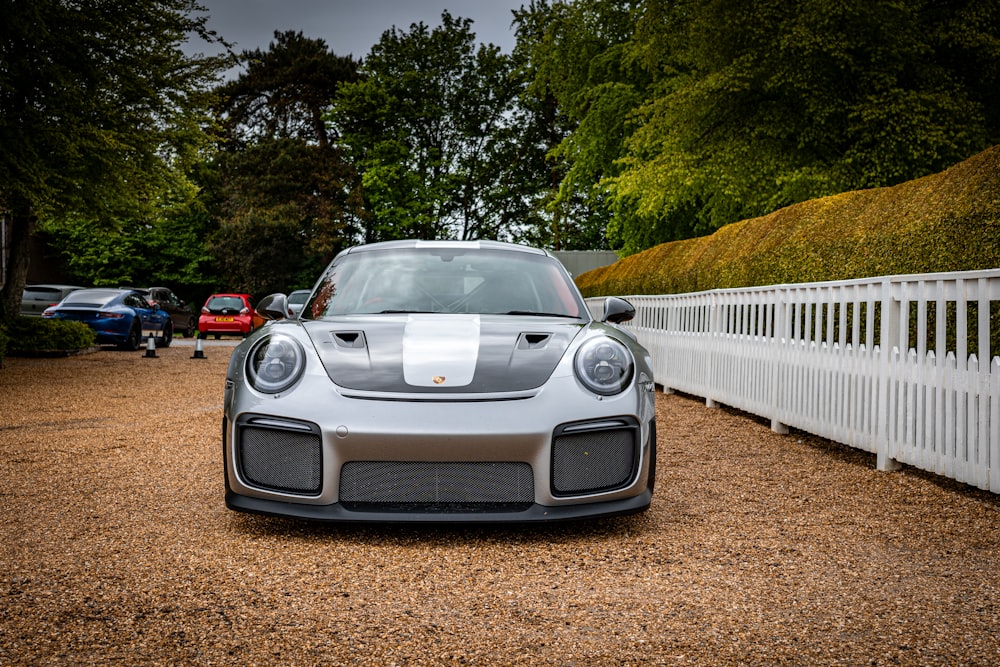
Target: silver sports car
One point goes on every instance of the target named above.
(440, 381)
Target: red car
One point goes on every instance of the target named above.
(228, 315)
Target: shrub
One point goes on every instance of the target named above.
(34, 335)
(945, 222)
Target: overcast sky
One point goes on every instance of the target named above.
(350, 27)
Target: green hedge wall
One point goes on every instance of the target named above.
(945, 222)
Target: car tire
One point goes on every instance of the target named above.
(202, 335)
(218, 336)
(167, 337)
(134, 339)
(190, 329)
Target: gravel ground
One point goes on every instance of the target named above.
(759, 549)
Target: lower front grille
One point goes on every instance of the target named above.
(588, 458)
(432, 486)
(281, 460)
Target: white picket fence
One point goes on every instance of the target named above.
(811, 357)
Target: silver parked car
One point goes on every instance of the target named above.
(36, 298)
(296, 300)
(441, 382)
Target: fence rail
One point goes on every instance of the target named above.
(899, 366)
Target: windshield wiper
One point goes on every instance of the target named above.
(535, 314)
(403, 311)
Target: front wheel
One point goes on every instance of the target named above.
(190, 329)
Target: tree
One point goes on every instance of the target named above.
(583, 87)
(688, 116)
(429, 127)
(281, 173)
(100, 113)
(785, 102)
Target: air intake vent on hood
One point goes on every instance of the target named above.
(533, 341)
(351, 339)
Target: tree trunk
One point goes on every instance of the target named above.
(21, 231)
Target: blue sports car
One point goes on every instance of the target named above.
(440, 382)
(120, 317)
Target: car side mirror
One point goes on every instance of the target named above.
(617, 310)
(273, 307)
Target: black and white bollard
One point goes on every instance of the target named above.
(198, 352)
(150, 347)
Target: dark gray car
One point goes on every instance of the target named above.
(181, 314)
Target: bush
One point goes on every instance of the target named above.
(35, 335)
(945, 222)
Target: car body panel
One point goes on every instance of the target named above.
(36, 298)
(121, 317)
(440, 417)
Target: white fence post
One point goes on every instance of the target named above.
(888, 390)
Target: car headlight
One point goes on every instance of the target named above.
(604, 366)
(275, 364)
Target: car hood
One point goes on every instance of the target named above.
(427, 353)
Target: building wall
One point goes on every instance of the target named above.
(581, 261)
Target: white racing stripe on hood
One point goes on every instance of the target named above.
(440, 350)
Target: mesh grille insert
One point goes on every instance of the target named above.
(593, 461)
(281, 460)
(429, 484)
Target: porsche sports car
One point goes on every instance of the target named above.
(122, 317)
(440, 382)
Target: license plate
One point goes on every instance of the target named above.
(223, 319)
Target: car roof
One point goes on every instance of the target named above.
(111, 290)
(54, 286)
(457, 245)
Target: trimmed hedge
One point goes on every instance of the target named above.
(944, 222)
(30, 336)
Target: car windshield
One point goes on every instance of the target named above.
(96, 297)
(220, 303)
(446, 279)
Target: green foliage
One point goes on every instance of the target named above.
(246, 247)
(103, 98)
(946, 222)
(167, 248)
(101, 115)
(430, 128)
(280, 173)
(35, 335)
(686, 117)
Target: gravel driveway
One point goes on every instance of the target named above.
(759, 549)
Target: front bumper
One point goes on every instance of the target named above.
(561, 435)
(533, 514)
